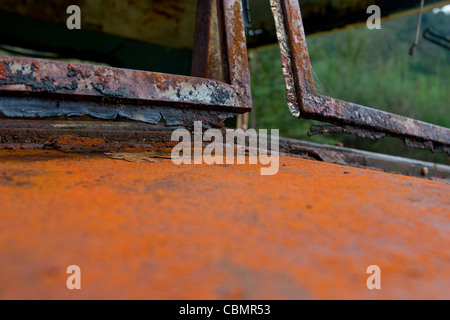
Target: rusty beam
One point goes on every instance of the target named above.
(209, 58)
(304, 102)
(28, 86)
(33, 76)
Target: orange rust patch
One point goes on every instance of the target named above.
(71, 66)
(3, 71)
(160, 231)
(35, 65)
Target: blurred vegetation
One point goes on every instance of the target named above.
(368, 67)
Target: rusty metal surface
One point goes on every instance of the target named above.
(304, 102)
(153, 230)
(40, 88)
(233, 28)
(88, 136)
(83, 136)
(364, 133)
(76, 81)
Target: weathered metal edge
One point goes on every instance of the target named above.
(114, 135)
(303, 101)
(366, 160)
(42, 107)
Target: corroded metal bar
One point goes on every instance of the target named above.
(311, 105)
(108, 89)
(286, 60)
(207, 56)
(236, 45)
(87, 81)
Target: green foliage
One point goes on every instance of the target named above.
(368, 67)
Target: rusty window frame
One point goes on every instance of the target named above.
(41, 88)
(349, 118)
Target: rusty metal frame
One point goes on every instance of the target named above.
(346, 117)
(31, 88)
